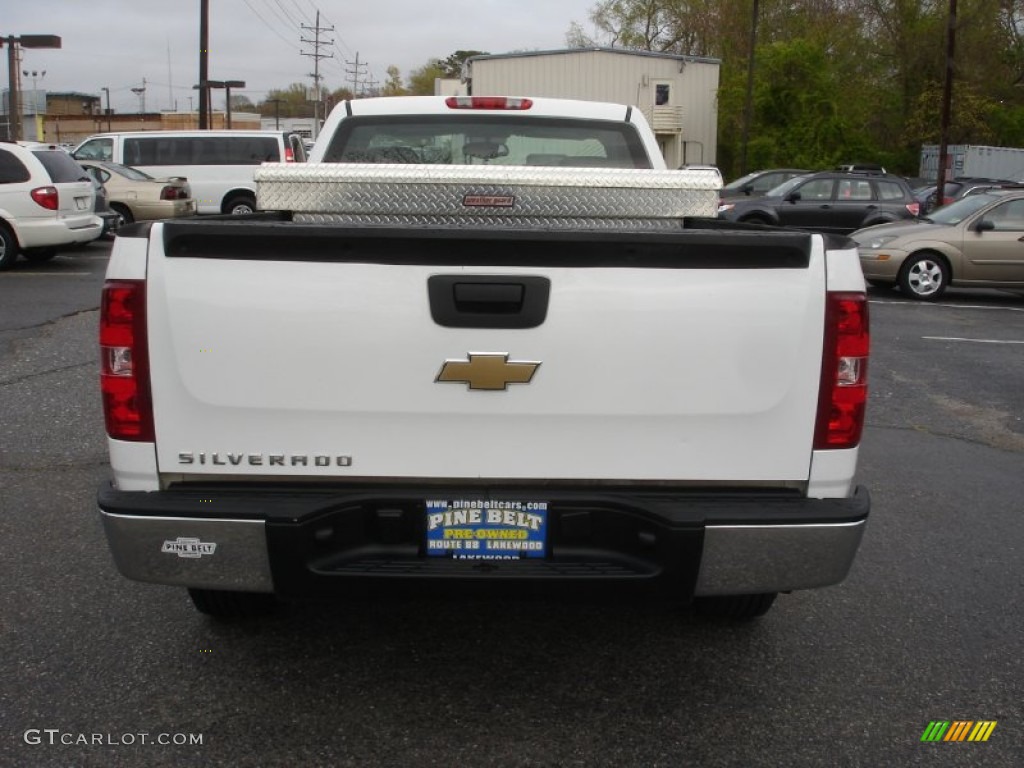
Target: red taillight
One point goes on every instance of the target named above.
(124, 361)
(914, 208)
(173, 193)
(289, 155)
(487, 102)
(48, 197)
(843, 395)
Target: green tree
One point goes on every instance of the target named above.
(421, 81)
(393, 84)
(241, 103)
(452, 66)
(288, 102)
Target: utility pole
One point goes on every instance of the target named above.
(748, 107)
(141, 93)
(358, 70)
(277, 112)
(947, 100)
(316, 56)
(204, 58)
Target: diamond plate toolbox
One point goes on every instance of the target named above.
(487, 195)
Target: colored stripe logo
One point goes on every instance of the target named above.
(958, 730)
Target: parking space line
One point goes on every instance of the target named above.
(975, 341)
(937, 304)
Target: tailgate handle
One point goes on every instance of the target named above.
(497, 298)
(488, 301)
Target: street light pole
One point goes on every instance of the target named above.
(107, 92)
(228, 85)
(13, 97)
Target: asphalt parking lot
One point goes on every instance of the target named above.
(98, 671)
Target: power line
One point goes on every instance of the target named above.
(270, 26)
(276, 12)
(287, 14)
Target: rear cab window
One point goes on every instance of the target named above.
(487, 140)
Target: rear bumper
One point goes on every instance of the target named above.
(156, 210)
(318, 543)
(46, 232)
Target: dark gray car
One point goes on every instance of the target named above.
(836, 202)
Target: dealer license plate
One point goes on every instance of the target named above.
(479, 529)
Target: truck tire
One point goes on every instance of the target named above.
(224, 604)
(8, 248)
(735, 607)
(240, 205)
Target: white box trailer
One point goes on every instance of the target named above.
(974, 160)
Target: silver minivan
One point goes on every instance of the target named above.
(219, 165)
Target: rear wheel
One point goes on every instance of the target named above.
(924, 276)
(124, 214)
(8, 248)
(756, 219)
(228, 605)
(735, 607)
(240, 205)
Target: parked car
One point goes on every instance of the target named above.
(973, 242)
(872, 167)
(46, 203)
(137, 196)
(101, 208)
(960, 187)
(759, 183)
(836, 202)
(111, 221)
(702, 167)
(219, 165)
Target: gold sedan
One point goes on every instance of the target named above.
(137, 196)
(975, 242)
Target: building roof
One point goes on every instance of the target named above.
(596, 49)
(70, 95)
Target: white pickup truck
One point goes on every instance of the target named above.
(483, 345)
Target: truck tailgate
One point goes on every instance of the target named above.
(286, 350)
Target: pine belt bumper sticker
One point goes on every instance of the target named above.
(477, 529)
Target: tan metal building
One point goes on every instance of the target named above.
(71, 129)
(677, 94)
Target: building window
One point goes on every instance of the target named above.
(661, 94)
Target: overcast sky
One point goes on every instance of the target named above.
(117, 43)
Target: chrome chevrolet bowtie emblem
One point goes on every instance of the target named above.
(488, 370)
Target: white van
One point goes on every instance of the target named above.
(219, 165)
